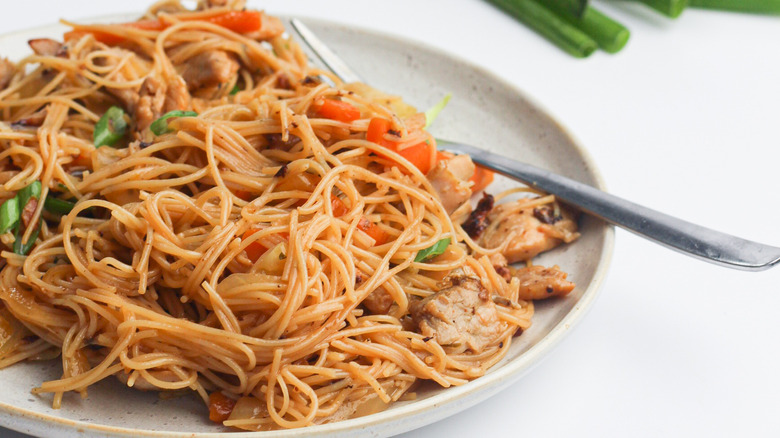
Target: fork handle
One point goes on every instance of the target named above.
(685, 237)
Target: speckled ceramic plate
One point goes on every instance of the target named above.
(484, 111)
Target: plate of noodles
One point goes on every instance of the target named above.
(202, 234)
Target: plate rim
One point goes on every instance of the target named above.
(413, 414)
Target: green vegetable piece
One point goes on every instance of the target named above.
(10, 213)
(753, 6)
(575, 8)
(160, 126)
(24, 249)
(110, 128)
(670, 8)
(58, 206)
(434, 111)
(550, 25)
(432, 251)
(235, 90)
(33, 190)
(610, 35)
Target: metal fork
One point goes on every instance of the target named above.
(685, 237)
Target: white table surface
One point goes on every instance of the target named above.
(686, 119)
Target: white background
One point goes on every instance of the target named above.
(686, 119)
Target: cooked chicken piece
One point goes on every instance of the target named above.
(46, 47)
(461, 313)
(134, 67)
(28, 211)
(539, 282)
(128, 97)
(156, 99)
(501, 265)
(378, 301)
(450, 179)
(7, 71)
(209, 68)
(523, 233)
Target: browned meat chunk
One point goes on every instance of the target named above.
(477, 220)
(7, 71)
(28, 211)
(501, 265)
(209, 68)
(128, 96)
(46, 47)
(270, 27)
(461, 313)
(539, 282)
(378, 301)
(450, 179)
(156, 99)
(522, 235)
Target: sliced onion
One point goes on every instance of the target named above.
(11, 332)
(248, 408)
(272, 262)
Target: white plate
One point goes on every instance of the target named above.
(484, 111)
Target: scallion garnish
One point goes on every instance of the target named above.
(58, 206)
(160, 126)
(235, 90)
(10, 213)
(24, 249)
(432, 251)
(110, 128)
(434, 111)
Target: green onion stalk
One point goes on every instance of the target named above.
(753, 6)
(670, 8)
(550, 25)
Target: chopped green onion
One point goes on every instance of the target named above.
(548, 24)
(670, 8)
(58, 206)
(432, 251)
(160, 126)
(434, 111)
(24, 249)
(110, 128)
(235, 90)
(755, 6)
(33, 190)
(9, 214)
